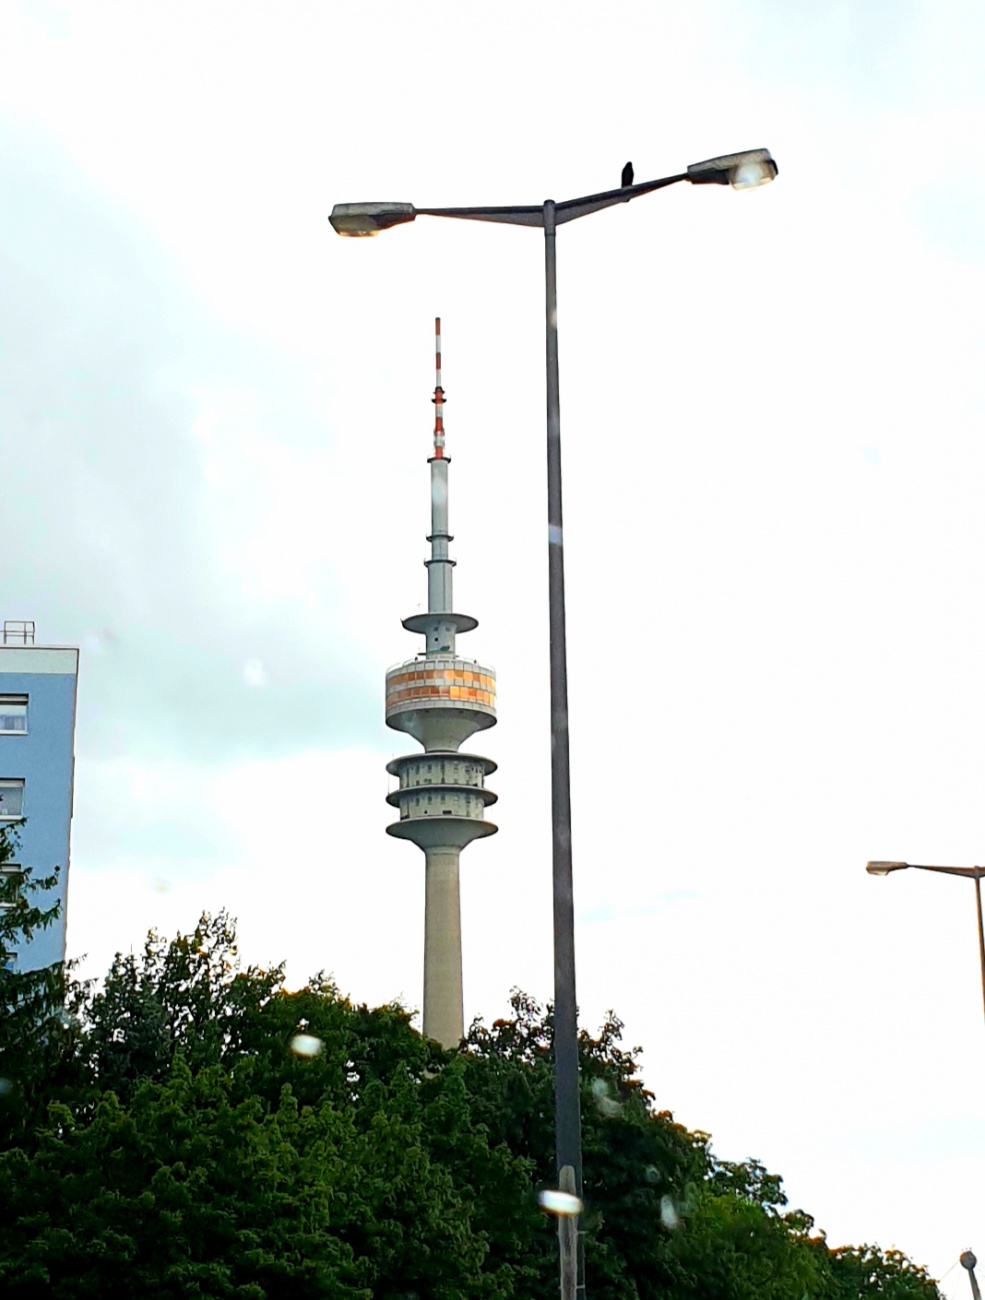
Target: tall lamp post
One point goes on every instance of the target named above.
(741, 171)
(970, 873)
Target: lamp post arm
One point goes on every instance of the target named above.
(566, 211)
(742, 171)
(981, 935)
(508, 216)
(970, 873)
(572, 208)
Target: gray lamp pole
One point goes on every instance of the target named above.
(741, 171)
(969, 1261)
(970, 873)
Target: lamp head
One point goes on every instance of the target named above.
(968, 1260)
(358, 220)
(743, 171)
(884, 868)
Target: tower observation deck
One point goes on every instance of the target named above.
(441, 700)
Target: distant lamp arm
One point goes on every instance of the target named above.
(884, 868)
(969, 873)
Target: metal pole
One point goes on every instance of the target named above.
(967, 1257)
(981, 931)
(567, 1113)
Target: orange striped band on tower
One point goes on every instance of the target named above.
(439, 394)
(430, 683)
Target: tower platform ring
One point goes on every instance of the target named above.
(488, 797)
(394, 765)
(422, 622)
(441, 832)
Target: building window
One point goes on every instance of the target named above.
(13, 713)
(11, 799)
(10, 882)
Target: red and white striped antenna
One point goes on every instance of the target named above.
(439, 394)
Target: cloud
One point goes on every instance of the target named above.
(151, 532)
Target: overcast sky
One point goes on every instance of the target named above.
(214, 424)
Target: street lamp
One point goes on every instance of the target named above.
(741, 171)
(970, 873)
(969, 1261)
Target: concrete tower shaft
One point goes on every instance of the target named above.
(441, 700)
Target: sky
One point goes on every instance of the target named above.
(215, 419)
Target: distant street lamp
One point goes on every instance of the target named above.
(969, 1261)
(970, 873)
(742, 171)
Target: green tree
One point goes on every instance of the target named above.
(634, 1156)
(188, 994)
(858, 1272)
(664, 1218)
(176, 1142)
(180, 1194)
(208, 1106)
(40, 1027)
(199, 1188)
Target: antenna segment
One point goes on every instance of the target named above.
(439, 394)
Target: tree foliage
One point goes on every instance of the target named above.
(161, 1134)
(40, 1028)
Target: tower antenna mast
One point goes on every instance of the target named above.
(439, 394)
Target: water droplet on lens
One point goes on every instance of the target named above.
(607, 1104)
(306, 1045)
(652, 1174)
(668, 1215)
(6, 1086)
(555, 1202)
(254, 673)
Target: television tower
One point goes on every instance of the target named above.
(441, 699)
